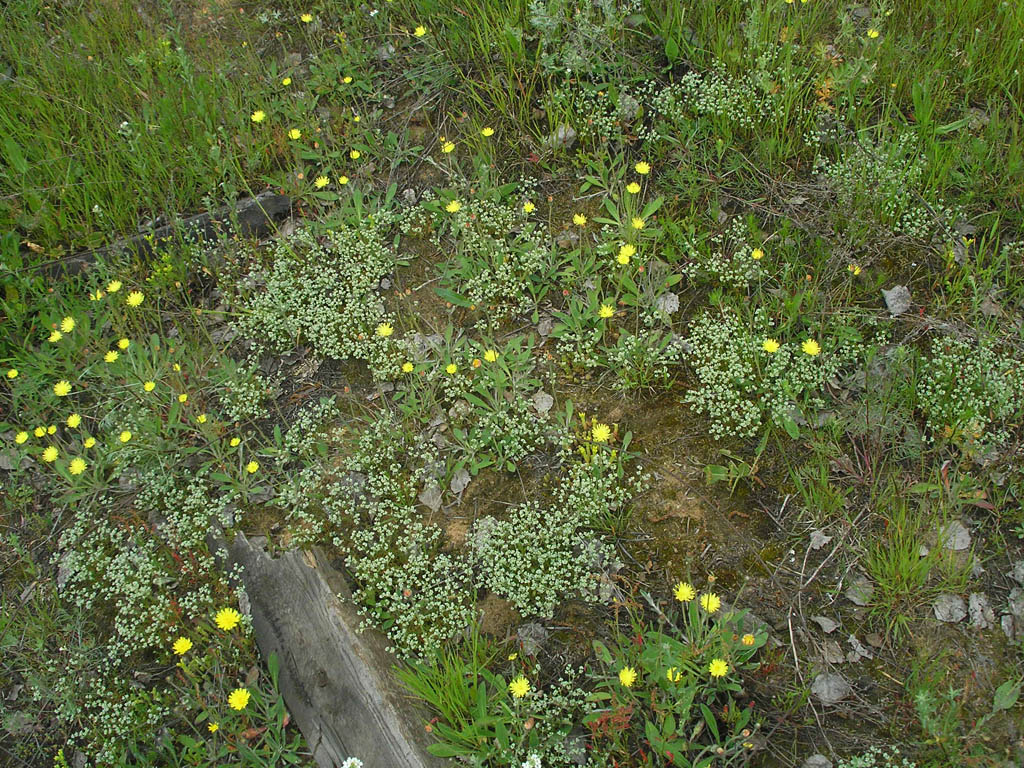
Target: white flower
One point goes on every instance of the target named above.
(532, 761)
(352, 762)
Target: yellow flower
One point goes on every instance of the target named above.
(39, 431)
(354, 154)
(182, 398)
(52, 429)
(529, 207)
(748, 639)
(111, 356)
(294, 134)
(488, 131)
(74, 420)
(134, 298)
(235, 442)
(67, 324)
(21, 437)
(149, 386)
(872, 33)
(643, 168)
(605, 311)
(684, 592)
(600, 433)
(12, 373)
(633, 188)
(77, 466)
(718, 668)
(854, 269)
(519, 687)
(811, 347)
(384, 330)
(579, 219)
(286, 81)
(710, 602)
(626, 252)
(252, 467)
(448, 147)
(407, 367)
(239, 699)
(55, 336)
(451, 368)
(258, 116)
(124, 343)
(176, 367)
(637, 223)
(113, 286)
(673, 674)
(182, 646)
(343, 180)
(61, 388)
(89, 442)
(213, 727)
(96, 295)
(453, 207)
(50, 454)
(627, 676)
(771, 346)
(321, 182)
(346, 79)
(227, 619)
(420, 31)
(305, 18)
(356, 118)
(201, 418)
(491, 355)
(125, 436)
(757, 254)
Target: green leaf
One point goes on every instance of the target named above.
(709, 718)
(791, 428)
(1006, 696)
(14, 155)
(448, 750)
(452, 297)
(602, 652)
(671, 49)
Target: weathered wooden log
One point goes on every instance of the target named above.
(335, 680)
(254, 217)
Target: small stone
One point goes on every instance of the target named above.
(1017, 572)
(459, 481)
(668, 303)
(874, 639)
(981, 613)
(532, 636)
(819, 539)
(817, 761)
(950, 608)
(545, 326)
(860, 591)
(860, 651)
(430, 496)
(827, 625)
(1015, 603)
(897, 299)
(955, 536)
(832, 653)
(542, 402)
(831, 688)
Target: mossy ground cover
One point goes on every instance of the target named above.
(652, 369)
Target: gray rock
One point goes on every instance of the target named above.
(817, 761)
(819, 539)
(532, 636)
(564, 136)
(897, 299)
(430, 496)
(832, 653)
(545, 326)
(949, 608)
(459, 481)
(831, 688)
(860, 591)
(859, 651)
(954, 535)
(827, 625)
(981, 613)
(1017, 572)
(542, 402)
(1015, 603)
(668, 303)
